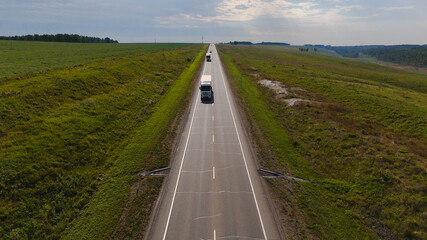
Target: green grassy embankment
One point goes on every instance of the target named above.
(103, 211)
(361, 140)
(21, 57)
(72, 139)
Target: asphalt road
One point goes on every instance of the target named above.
(213, 190)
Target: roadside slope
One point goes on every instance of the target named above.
(66, 132)
(103, 212)
(356, 131)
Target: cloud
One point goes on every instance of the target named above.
(297, 21)
(397, 8)
(392, 9)
(248, 10)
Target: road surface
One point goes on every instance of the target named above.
(213, 190)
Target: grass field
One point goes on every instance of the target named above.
(23, 57)
(359, 135)
(71, 139)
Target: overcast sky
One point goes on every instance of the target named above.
(335, 22)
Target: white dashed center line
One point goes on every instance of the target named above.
(213, 173)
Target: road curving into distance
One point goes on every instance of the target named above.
(213, 190)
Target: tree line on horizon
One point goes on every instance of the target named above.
(412, 55)
(416, 56)
(261, 43)
(60, 38)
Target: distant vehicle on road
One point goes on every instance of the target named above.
(208, 57)
(206, 91)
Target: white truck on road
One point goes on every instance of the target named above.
(206, 91)
(208, 57)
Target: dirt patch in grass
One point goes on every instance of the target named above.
(287, 95)
(294, 101)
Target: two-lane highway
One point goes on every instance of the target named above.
(213, 190)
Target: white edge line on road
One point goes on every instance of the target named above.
(241, 149)
(182, 160)
(214, 234)
(213, 173)
(213, 138)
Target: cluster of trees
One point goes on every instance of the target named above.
(350, 52)
(306, 49)
(317, 45)
(261, 43)
(241, 42)
(413, 55)
(60, 38)
(273, 43)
